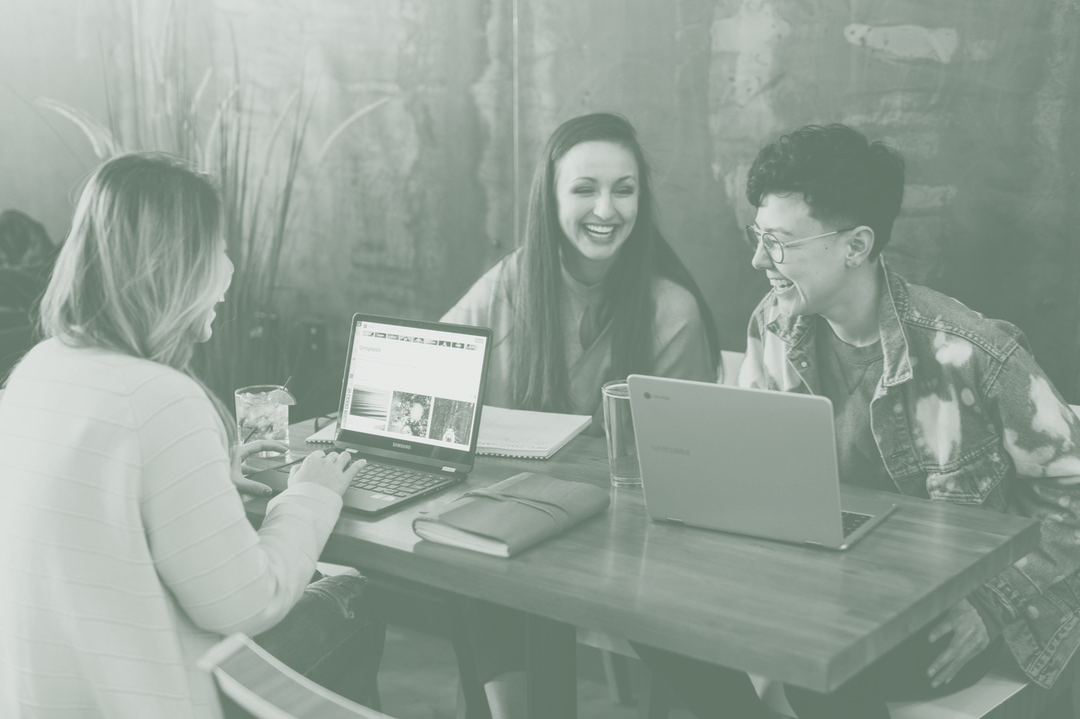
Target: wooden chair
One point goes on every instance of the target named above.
(253, 684)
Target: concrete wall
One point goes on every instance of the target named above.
(50, 48)
(415, 200)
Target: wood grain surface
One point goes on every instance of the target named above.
(801, 615)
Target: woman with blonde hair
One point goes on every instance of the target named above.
(127, 552)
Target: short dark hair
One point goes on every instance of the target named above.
(844, 178)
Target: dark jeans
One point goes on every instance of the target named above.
(709, 691)
(332, 637)
(497, 637)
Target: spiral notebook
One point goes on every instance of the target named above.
(525, 433)
(509, 432)
(326, 435)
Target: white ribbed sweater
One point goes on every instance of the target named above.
(124, 549)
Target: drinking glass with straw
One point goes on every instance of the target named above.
(262, 412)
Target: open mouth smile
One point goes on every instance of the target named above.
(781, 284)
(601, 232)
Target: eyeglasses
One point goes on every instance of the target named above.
(774, 248)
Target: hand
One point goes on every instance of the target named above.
(241, 453)
(969, 637)
(329, 470)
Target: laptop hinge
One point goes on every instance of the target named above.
(449, 470)
(673, 519)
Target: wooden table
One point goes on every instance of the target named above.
(805, 616)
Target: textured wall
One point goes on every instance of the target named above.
(982, 97)
(395, 219)
(49, 48)
(417, 199)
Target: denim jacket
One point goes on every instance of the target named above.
(963, 414)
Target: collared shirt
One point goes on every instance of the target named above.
(964, 414)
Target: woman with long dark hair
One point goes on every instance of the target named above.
(595, 292)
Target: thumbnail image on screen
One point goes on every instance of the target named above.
(410, 414)
(451, 421)
(369, 408)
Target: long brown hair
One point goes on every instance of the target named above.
(541, 378)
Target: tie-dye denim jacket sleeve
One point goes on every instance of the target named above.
(964, 414)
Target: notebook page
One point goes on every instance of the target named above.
(525, 433)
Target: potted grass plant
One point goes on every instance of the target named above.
(153, 105)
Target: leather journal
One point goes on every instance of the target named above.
(513, 514)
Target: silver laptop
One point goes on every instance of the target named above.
(410, 405)
(754, 462)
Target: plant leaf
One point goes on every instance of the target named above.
(345, 124)
(196, 98)
(100, 137)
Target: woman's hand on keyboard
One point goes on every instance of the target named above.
(332, 470)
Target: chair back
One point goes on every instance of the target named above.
(251, 679)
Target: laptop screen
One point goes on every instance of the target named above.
(414, 388)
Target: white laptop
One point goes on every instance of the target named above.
(754, 462)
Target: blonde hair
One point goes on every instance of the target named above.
(139, 267)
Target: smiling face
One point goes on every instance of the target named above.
(812, 278)
(596, 186)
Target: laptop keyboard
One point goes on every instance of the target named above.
(395, 481)
(853, 520)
